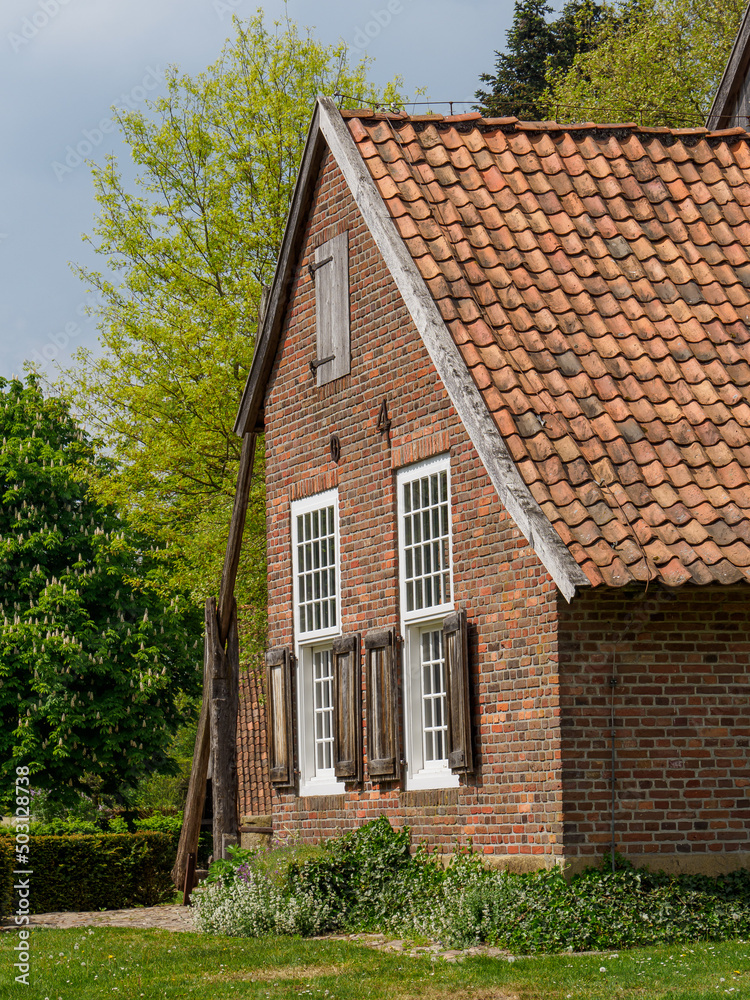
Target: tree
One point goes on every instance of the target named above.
(192, 248)
(658, 62)
(92, 654)
(535, 46)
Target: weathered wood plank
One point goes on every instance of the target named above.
(196, 794)
(332, 308)
(224, 670)
(458, 708)
(347, 713)
(236, 530)
(279, 716)
(189, 879)
(383, 757)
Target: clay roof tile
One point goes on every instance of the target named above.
(606, 271)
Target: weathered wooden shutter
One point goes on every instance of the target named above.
(456, 645)
(347, 710)
(279, 716)
(382, 704)
(331, 272)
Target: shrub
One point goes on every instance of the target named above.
(57, 826)
(369, 879)
(249, 894)
(541, 911)
(356, 881)
(107, 871)
(6, 874)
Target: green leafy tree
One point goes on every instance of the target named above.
(534, 46)
(658, 62)
(92, 656)
(191, 248)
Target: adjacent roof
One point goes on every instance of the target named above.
(731, 104)
(596, 280)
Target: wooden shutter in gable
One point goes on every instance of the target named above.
(456, 645)
(331, 271)
(382, 704)
(347, 710)
(279, 716)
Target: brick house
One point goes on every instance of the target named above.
(504, 382)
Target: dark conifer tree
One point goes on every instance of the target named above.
(535, 45)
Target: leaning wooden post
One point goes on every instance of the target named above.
(236, 531)
(196, 796)
(223, 714)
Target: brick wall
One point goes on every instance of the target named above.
(682, 718)
(512, 803)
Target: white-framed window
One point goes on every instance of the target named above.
(426, 577)
(315, 560)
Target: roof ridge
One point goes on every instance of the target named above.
(511, 123)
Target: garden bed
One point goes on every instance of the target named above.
(371, 880)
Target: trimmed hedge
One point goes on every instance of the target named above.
(108, 871)
(6, 874)
(158, 822)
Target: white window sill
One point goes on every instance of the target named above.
(436, 778)
(322, 786)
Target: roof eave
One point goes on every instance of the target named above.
(249, 415)
(739, 57)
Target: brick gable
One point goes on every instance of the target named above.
(512, 803)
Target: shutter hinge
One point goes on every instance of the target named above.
(314, 365)
(312, 268)
(384, 421)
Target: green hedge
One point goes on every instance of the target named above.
(6, 874)
(108, 871)
(158, 822)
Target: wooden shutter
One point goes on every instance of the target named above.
(455, 643)
(279, 716)
(331, 272)
(347, 709)
(382, 704)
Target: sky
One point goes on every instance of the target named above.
(66, 63)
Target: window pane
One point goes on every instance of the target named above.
(434, 724)
(316, 566)
(426, 539)
(323, 709)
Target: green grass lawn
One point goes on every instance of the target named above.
(132, 964)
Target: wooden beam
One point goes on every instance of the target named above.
(224, 669)
(196, 794)
(269, 330)
(189, 879)
(236, 530)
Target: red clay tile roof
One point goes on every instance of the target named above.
(596, 280)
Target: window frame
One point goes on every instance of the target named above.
(309, 505)
(306, 645)
(421, 775)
